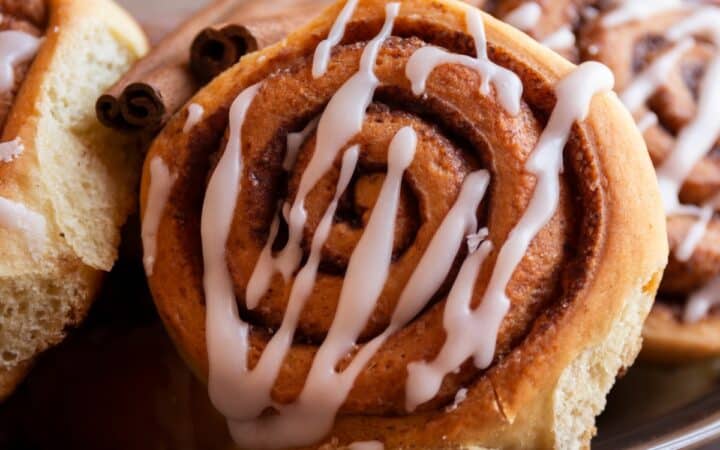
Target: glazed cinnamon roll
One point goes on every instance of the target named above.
(66, 186)
(406, 226)
(666, 59)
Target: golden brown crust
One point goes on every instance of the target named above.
(619, 253)
(11, 378)
(87, 44)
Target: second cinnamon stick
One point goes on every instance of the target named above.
(216, 49)
(159, 84)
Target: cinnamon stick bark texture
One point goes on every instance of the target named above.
(216, 49)
(145, 98)
(153, 78)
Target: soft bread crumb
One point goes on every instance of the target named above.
(79, 175)
(582, 389)
(92, 204)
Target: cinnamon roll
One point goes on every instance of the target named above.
(666, 60)
(66, 185)
(406, 226)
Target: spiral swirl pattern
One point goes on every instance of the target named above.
(465, 131)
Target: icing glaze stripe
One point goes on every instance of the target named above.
(226, 333)
(476, 28)
(161, 181)
(687, 248)
(294, 141)
(702, 301)
(15, 47)
(525, 17)
(242, 394)
(10, 150)
(255, 386)
(18, 217)
(195, 115)
(574, 94)
(322, 52)
(464, 329)
(312, 416)
(342, 119)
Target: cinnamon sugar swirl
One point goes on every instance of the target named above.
(407, 225)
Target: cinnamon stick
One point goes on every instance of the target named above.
(159, 84)
(216, 49)
(165, 63)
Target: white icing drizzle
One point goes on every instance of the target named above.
(460, 397)
(312, 415)
(633, 10)
(307, 420)
(648, 120)
(562, 39)
(295, 141)
(649, 80)
(702, 301)
(466, 330)
(341, 121)
(254, 387)
(15, 47)
(195, 115)
(226, 332)
(367, 445)
(525, 17)
(688, 246)
(322, 52)
(474, 333)
(161, 182)
(264, 269)
(266, 266)
(476, 28)
(508, 86)
(430, 273)
(18, 217)
(243, 395)
(437, 261)
(474, 240)
(11, 150)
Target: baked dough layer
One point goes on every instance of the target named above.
(79, 176)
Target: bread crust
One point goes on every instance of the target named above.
(547, 392)
(67, 154)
